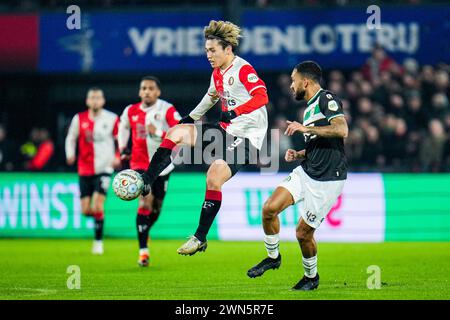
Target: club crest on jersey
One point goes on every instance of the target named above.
(231, 81)
(84, 125)
(332, 105)
(134, 118)
(252, 78)
(157, 116)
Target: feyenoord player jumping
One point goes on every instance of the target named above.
(95, 131)
(317, 181)
(148, 121)
(243, 124)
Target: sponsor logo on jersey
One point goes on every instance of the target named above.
(252, 78)
(231, 81)
(332, 105)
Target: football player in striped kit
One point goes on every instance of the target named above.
(94, 131)
(147, 121)
(242, 127)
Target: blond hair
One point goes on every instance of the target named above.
(225, 32)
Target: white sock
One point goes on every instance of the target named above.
(143, 251)
(272, 243)
(310, 266)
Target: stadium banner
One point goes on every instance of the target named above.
(125, 41)
(372, 208)
(357, 216)
(19, 42)
(417, 207)
(344, 38)
(46, 205)
(273, 39)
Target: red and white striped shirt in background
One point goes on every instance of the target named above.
(96, 147)
(135, 117)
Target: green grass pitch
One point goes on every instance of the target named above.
(37, 269)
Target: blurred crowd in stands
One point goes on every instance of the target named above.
(35, 154)
(398, 114)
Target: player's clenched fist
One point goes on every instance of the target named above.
(294, 126)
(292, 155)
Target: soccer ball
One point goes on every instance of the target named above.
(128, 184)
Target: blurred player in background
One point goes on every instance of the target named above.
(95, 132)
(317, 181)
(148, 122)
(243, 124)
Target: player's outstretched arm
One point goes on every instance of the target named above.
(338, 128)
(259, 99)
(204, 105)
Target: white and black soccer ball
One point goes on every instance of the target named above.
(128, 184)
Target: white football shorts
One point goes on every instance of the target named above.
(318, 197)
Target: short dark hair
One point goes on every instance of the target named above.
(310, 69)
(95, 89)
(152, 78)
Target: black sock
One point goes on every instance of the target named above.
(98, 227)
(142, 227)
(210, 208)
(153, 217)
(160, 160)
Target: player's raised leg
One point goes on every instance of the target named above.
(308, 246)
(280, 199)
(218, 173)
(182, 134)
(98, 200)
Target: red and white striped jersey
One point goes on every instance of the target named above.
(135, 117)
(234, 86)
(96, 148)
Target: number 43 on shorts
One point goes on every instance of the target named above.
(311, 217)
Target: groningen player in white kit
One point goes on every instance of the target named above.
(242, 128)
(317, 182)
